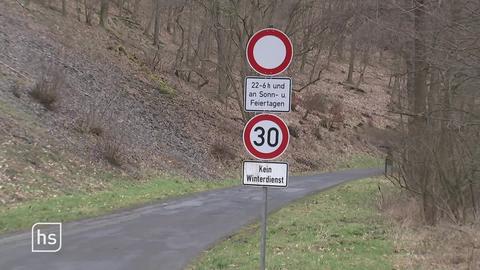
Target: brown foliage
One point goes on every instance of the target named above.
(316, 102)
(92, 121)
(446, 246)
(337, 112)
(399, 205)
(48, 89)
(16, 91)
(294, 131)
(222, 151)
(112, 147)
(317, 133)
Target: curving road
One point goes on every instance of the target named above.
(161, 236)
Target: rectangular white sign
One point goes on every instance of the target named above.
(268, 94)
(270, 174)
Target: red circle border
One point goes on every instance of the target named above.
(288, 46)
(283, 128)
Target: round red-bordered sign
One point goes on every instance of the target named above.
(266, 136)
(269, 52)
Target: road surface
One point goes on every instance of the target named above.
(163, 236)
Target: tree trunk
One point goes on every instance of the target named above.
(222, 65)
(150, 20)
(189, 35)
(340, 46)
(79, 10)
(418, 124)
(88, 12)
(120, 4)
(64, 7)
(351, 65)
(136, 9)
(104, 12)
(364, 68)
(156, 29)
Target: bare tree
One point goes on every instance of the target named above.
(156, 27)
(104, 5)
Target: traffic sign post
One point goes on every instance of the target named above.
(263, 239)
(269, 52)
(268, 94)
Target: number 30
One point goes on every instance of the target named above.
(272, 136)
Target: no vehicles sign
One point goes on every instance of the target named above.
(269, 52)
(268, 94)
(271, 174)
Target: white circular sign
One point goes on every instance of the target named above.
(269, 52)
(263, 52)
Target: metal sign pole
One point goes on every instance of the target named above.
(263, 240)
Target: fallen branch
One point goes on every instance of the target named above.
(309, 83)
(18, 2)
(352, 87)
(17, 72)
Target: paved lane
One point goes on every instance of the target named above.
(163, 236)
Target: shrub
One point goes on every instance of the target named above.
(221, 151)
(47, 90)
(92, 121)
(294, 131)
(317, 133)
(112, 148)
(317, 102)
(163, 87)
(306, 162)
(16, 91)
(153, 59)
(337, 113)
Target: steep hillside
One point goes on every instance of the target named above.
(155, 120)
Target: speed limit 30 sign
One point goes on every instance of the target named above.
(266, 136)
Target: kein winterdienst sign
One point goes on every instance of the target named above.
(260, 173)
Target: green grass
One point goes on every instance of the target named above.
(162, 86)
(78, 205)
(362, 161)
(337, 229)
(88, 195)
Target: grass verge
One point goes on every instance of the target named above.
(362, 161)
(121, 194)
(338, 229)
(445, 246)
(87, 195)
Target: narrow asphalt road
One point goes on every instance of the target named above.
(164, 236)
